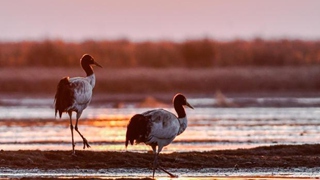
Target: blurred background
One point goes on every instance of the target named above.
(202, 46)
(239, 56)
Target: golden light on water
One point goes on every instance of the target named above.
(109, 123)
(113, 117)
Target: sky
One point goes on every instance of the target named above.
(153, 20)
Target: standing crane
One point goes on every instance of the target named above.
(74, 94)
(158, 128)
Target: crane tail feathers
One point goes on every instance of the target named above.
(63, 97)
(137, 129)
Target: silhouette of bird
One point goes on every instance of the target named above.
(74, 94)
(158, 128)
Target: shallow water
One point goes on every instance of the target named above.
(30, 123)
(184, 174)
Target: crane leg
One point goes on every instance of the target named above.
(170, 174)
(85, 142)
(71, 128)
(156, 163)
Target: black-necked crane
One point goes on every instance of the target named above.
(74, 94)
(158, 128)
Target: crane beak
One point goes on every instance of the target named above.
(95, 63)
(189, 105)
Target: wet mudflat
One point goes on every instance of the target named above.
(285, 156)
(280, 161)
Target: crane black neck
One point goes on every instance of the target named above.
(87, 68)
(180, 110)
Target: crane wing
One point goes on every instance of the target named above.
(64, 96)
(82, 90)
(163, 124)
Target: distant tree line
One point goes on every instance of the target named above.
(201, 53)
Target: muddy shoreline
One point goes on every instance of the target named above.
(278, 156)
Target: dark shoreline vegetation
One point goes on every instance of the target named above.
(280, 156)
(201, 66)
(198, 53)
(150, 81)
